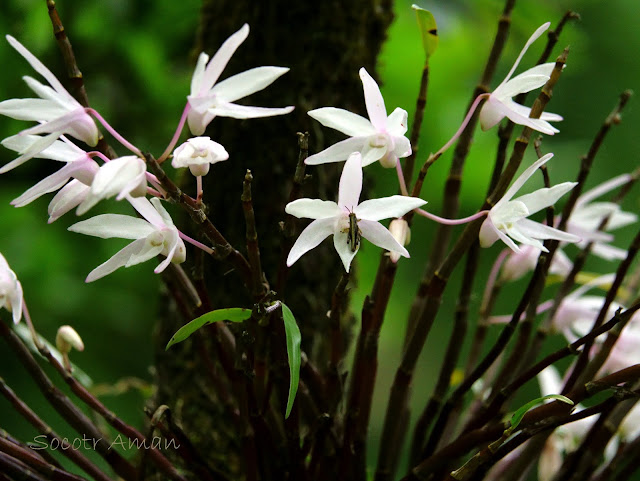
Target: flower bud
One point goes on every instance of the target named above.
(67, 338)
(198, 153)
(400, 231)
(10, 291)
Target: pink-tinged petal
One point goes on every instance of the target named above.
(492, 112)
(249, 82)
(397, 123)
(39, 67)
(379, 235)
(35, 149)
(343, 248)
(543, 198)
(337, 152)
(76, 123)
(69, 197)
(149, 211)
(387, 207)
(520, 181)
(118, 260)
(532, 39)
(310, 238)
(350, 182)
(219, 61)
(236, 111)
(374, 101)
(343, 121)
(541, 231)
(198, 73)
(198, 121)
(488, 233)
(313, 209)
(107, 226)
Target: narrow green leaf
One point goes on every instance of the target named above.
(519, 414)
(428, 30)
(233, 314)
(293, 353)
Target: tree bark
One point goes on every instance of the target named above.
(324, 44)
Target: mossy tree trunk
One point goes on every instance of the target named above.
(324, 44)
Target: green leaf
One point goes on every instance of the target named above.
(428, 30)
(293, 353)
(519, 414)
(233, 314)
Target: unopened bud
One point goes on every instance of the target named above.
(400, 231)
(67, 338)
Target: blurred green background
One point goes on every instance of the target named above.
(136, 57)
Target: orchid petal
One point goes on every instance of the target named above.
(31, 109)
(35, 149)
(343, 121)
(248, 82)
(118, 260)
(387, 207)
(374, 101)
(151, 212)
(312, 209)
(236, 111)
(601, 189)
(59, 150)
(371, 154)
(310, 238)
(343, 248)
(39, 67)
(337, 152)
(545, 197)
(397, 122)
(520, 181)
(70, 196)
(219, 61)
(541, 231)
(532, 39)
(198, 73)
(107, 226)
(379, 235)
(350, 182)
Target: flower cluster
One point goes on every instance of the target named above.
(82, 182)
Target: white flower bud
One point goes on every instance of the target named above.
(67, 338)
(10, 291)
(198, 153)
(401, 232)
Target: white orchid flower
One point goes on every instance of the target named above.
(56, 110)
(208, 99)
(500, 103)
(154, 235)
(348, 220)
(78, 166)
(10, 291)
(198, 153)
(121, 177)
(508, 218)
(587, 216)
(377, 138)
